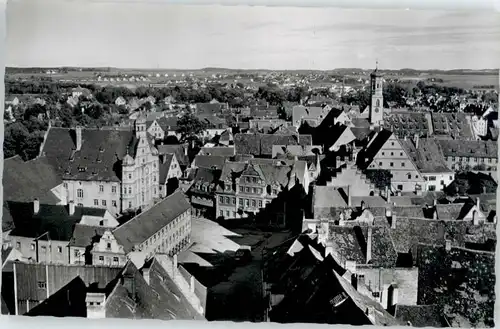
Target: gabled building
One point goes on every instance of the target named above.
(466, 154)
(261, 145)
(111, 169)
(170, 173)
(385, 151)
(202, 192)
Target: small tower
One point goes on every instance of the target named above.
(377, 98)
(140, 126)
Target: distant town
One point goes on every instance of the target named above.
(349, 196)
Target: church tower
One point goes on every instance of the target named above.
(377, 98)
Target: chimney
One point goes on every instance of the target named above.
(393, 221)
(95, 302)
(416, 141)
(186, 149)
(36, 206)
(447, 245)
(78, 131)
(129, 285)
(71, 208)
(349, 199)
(369, 245)
(387, 194)
(191, 284)
(362, 205)
(145, 274)
(478, 203)
(174, 261)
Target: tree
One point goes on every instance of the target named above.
(189, 127)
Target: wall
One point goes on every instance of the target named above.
(142, 177)
(76, 255)
(358, 184)
(456, 163)
(378, 280)
(393, 153)
(91, 192)
(344, 139)
(108, 252)
(156, 131)
(48, 251)
(440, 181)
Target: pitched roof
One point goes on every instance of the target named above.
(218, 151)
(421, 315)
(160, 299)
(300, 112)
(86, 235)
(208, 108)
(100, 153)
(146, 224)
(454, 124)
(165, 162)
(210, 161)
(407, 124)
(428, 157)
(262, 144)
(53, 219)
(326, 199)
(207, 177)
(466, 148)
(167, 124)
(24, 181)
(374, 146)
(461, 280)
(177, 149)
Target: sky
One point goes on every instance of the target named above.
(129, 34)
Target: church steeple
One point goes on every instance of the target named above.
(377, 98)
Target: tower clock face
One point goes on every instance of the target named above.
(376, 110)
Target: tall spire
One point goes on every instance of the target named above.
(376, 64)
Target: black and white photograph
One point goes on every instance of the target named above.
(240, 163)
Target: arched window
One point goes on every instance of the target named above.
(378, 103)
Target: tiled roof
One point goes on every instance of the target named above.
(407, 124)
(50, 218)
(421, 315)
(100, 153)
(374, 147)
(210, 161)
(25, 181)
(168, 124)
(160, 299)
(299, 112)
(452, 211)
(462, 281)
(218, 151)
(428, 157)
(176, 149)
(326, 199)
(86, 235)
(146, 224)
(346, 244)
(165, 162)
(295, 150)
(262, 144)
(454, 124)
(207, 177)
(465, 148)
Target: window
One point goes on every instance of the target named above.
(402, 164)
(380, 163)
(221, 199)
(234, 201)
(65, 185)
(400, 187)
(432, 188)
(275, 191)
(77, 253)
(227, 200)
(44, 248)
(392, 143)
(442, 182)
(247, 179)
(108, 245)
(432, 178)
(400, 153)
(451, 177)
(79, 193)
(115, 259)
(59, 250)
(247, 189)
(113, 189)
(383, 153)
(130, 204)
(247, 202)
(221, 213)
(254, 180)
(129, 176)
(241, 189)
(240, 202)
(101, 258)
(260, 203)
(103, 202)
(101, 188)
(113, 203)
(392, 153)
(409, 176)
(391, 164)
(254, 190)
(96, 202)
(80, 205)
(42, 285)
(453, 159)
(227, 213)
